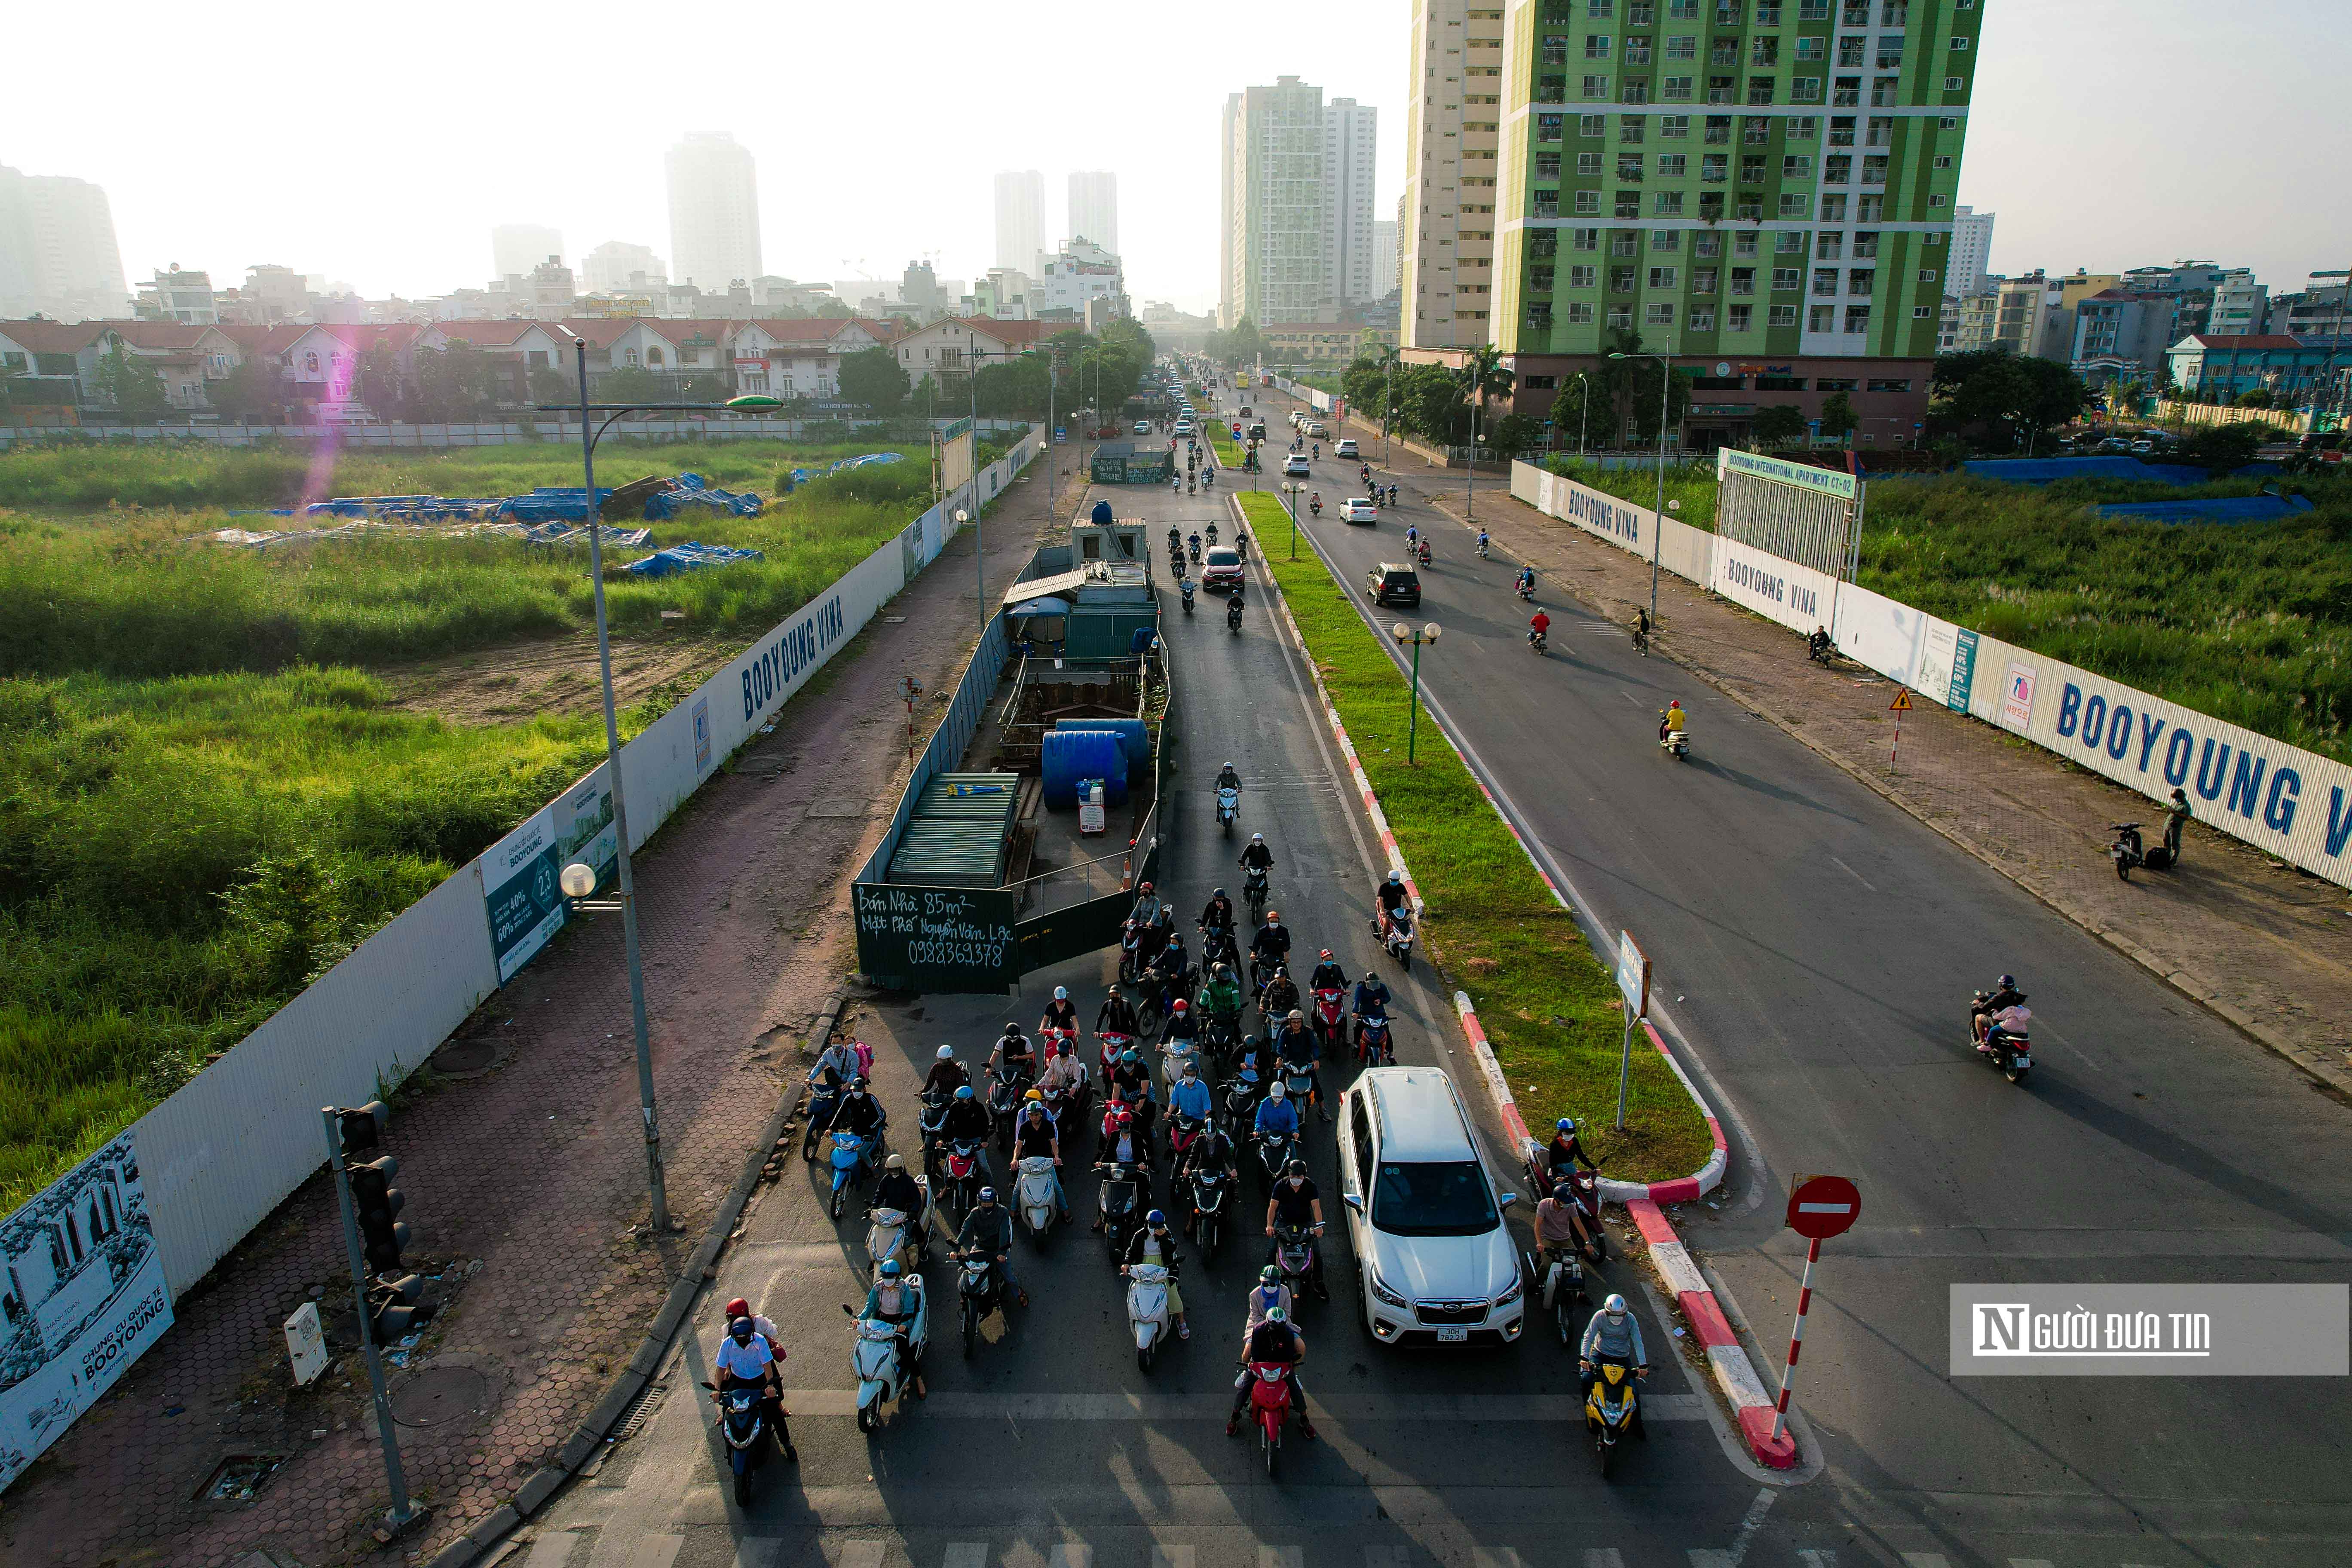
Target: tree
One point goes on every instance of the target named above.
(378, 383)
(549, 386)
(2255, 397)
(455, 384)
(1778, 423)
(1484, 376)
(1837, 414)
(1629, 393)
(2010, 398)
(874, 380)
(2223, 448)
(632, 384)
(1240, 344)
(1430, 402)
(251, 387)
(1014, 388)
(1514, 434)
(132, 386)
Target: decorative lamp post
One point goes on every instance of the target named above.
(1666, 392)
(1406, 632)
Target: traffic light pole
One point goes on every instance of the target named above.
(402, 1511)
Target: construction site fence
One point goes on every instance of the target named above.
(508, 433)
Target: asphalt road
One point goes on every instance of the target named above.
(1049, 1445)
(1816, 948)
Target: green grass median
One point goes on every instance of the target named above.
(1548, 1004)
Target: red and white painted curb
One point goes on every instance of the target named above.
(1727, 1359)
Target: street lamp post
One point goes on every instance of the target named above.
(1405, 632)
(1583, 411)
(1290, 488)
(1658, 513)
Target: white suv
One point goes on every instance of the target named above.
(1425, 1214)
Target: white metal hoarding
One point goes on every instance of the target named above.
(1797, 596)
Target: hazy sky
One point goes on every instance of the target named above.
(379, 147)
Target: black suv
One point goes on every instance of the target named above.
(1390, 583)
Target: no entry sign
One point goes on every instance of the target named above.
(1823, 1206)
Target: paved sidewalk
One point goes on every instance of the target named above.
(528, 1175)
(2266, 946)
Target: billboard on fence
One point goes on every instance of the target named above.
(520, 872)
(82, 1294)
(1797, 596)
(937, 939)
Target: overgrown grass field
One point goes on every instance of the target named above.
(2251, 623)
(207, 796)
(1548, 1005)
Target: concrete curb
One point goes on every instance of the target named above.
(1735, 1376)
(532, 1495)
(1476, 1033)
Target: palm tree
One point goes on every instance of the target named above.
(1385, 358)
(1482, 376)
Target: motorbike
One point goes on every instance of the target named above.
(1422, 551)
(1006, 1084)
(1175, 545)
(1397, 940)
(979, 1290)
(851, 1154)
(1211, 534)
(1315, 506)
(1482, 547)
(1193, 547)
(1191, 484)
(743, 1425)
(882, 1373)
(1118, 1196)
(1032, 1196)
(1233, 612)
(1561, 1291)
(1182, 1132)
(1327, 1018)
(1539, 639)
(1188, 587)
(1146, 1310)
(2128, 853)
(1274, 1152)
(1211, 1189)
(824, 1099)
(893, 1233)
(1675, 742)
(959, 1180)
(1269, 1406)
(1241, 1104)
(1112, 1045)
(1375, 1046)
(929, 1121)
(1610, 1410)
(2010, 1050)
(1218, 946)
(1229, 804)
(1067, 1107)
(1294, 1254)
(1298, 1087)
(1527, 592)
(1254, 892)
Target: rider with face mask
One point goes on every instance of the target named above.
(1612, 1335)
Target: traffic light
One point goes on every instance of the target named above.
(362, 1127)
(393, 1309)
(378, 1205)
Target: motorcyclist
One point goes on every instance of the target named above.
(1278, 997)
(2004, 996)
(1228, 779)
(1674, 722)
(1296, 1204)
(1300, 1050)
(1217, 912)
(988, 1229)
(1193, 543)
(1255, 1058)
(1062, 1070)
(1131, 1081)
(1240, 541)
(1391, 897)
(1221, 997)
(1314, 502)
(1181, 1027)
(859, 1111)
(1527, 583)
(1015, 1052)
(762, 1326)
(894, 1300)
(1559, 1225)
(947, 1074)
(1211, 1151)
(1270, 945)
(1819, 643)
(1482, 541)
(1175, 541)
(1149, 921)
(1189, 1096)
(1173, 965)
(897, 1190)
(1317, 451)
(1267, 1294)
(748, 1357)
(1116, 1015)
(1538, 625)
(1411, 536)
(836, 1066)
(1061, 1013)
(1255, 856)
(968, 1122)
(1326, 975)
(1151, 1243)
(1613, 1336)
(1273, 1341)
(1035, 1137)
(1392, 494)
(1371, 1001)
(1564, 1153)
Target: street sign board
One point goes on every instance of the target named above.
(936, 939)
(1632, 977)
(1902, 703)
(1823, 1206)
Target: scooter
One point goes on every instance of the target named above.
(1183, 1131)
(1562, 1292)
(1233, 612)
(1294, 1254)
(1254, 892)
(882, 1374)
(1374, 1045)
(824, 1099)
(894, 1233)
(1329, 1019)
(1189, 587)
(1229, 800)
(979, 1291)
(1397, 940)
(1193, 546)
(929, 1121)
(743, 1424)
(850, 1153)
(1006, 1086)
(1539, 639)
(1269, 1406)
(1146, 1310)
(1240, 1103)
(2010, 1050)
(1675, 742)
(1116, 1197)
(1274, 1152)
(959, 1178)
(1610, 1410)
(2128, 852)
(1211, 534)
(1113, 1044)
(1298, 1087)
(1315, 506)
(1033, 1196)
(1527, 592)
(1422, 551)
(1211, 1189)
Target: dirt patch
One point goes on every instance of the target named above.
(500, 686)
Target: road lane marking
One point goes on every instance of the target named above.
(860, 1555)
(1384, 1556)
(1066, 1554)
(1172, 1556)
(759, 1550)
(552, 1550)
(2029, 1563)
(1851, 872)
(1603, 1557)
(661, 1550)
(1280, 1557)
(1924, 1560)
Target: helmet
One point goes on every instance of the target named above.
(1298, 1167)
(1277, 1315)
(1298, 1016)
(1565, 1124)
(2009, 983)
(1145, 889)
(945, 1053)
(1191, 1068)
(1128, 1055)
(1036, 1096)
(1125, 1117)
(740, 1329)
(1178, 1006)
(1614, 1306)
(1395, 875)
(738, 1308)
(988, 1194)
(1229, 762)
(1219, 893)
(1269, 1275)
(1063, 1049)
(856, 1085)
(1155, 1219)
(890, 1269)
(1257, 837)
(1221, 969)
(1674, 701)
(1275, 1089)
(895, 1161)
(1325, 953)
(963, 1091)
(1061, 992)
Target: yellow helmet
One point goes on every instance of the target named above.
(1036, 1094)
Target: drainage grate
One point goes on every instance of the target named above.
(640, 1410)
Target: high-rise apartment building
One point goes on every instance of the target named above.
(611, 266)
(714, 212)
(1452, 120)
(1762, 188)
(1094, 209)
(517, 248)
(1384, 256)
(1971, 252)
(58, 252)
(1350, 147)
(1272, 225)
(1019, 219)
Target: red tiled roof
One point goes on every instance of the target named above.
(602, 331)
(252, 339)
(365, 335)
(157, 335)
(488, 334)
(55, 337)
(800, 330)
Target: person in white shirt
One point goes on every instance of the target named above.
(747, 1356)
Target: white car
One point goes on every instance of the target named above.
(1424, 1215)
(1346, 448)
(1296, 465)
(1358, 509)
(1183, 427)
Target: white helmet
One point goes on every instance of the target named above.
(1614, 1306)
(1061, 992)
(1275, 1090)
(945, 1053)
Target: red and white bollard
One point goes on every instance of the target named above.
(1796, 1341)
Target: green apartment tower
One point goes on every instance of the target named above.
(1762, 188)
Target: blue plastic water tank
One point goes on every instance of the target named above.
(1070, 755)
(1133, 738)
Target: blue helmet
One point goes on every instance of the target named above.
(1566, 1124)
(963, 1091)
(890, 1269)
(1155, 1219)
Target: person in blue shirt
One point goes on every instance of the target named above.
(1371, 1001)
(1189, 1095)
(1275, 1114)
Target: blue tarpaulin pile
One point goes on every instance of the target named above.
(2046, 470)
(2219, 508)
(687, 557)
(802, 475)
(692, 492)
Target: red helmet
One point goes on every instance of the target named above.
(738, 1308)
(1125, 1117)
(1145, 889)
(1327, 953)
(1178, 1006)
